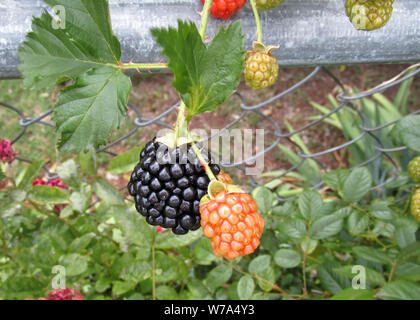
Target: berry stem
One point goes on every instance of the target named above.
(205, 18)
(257, 20)
(200, 157)
(181, 128)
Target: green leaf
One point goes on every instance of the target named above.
(330, 280)
(326, 226)
(354, 294)
(409, 129)
(169, 268)
(198, 289)
(294, 229)
(218, 276)
(266, 279)
(357, 222)
(381, 210)
(87, 162)
(125, 162)
(80, 201)
(308, 245)
(405, 236)
(89, 110)
(136, 271)
(166, 293)
(30, 173)
(204, 77)
(169, 240)
(132, 224)
(310, 203)
(203, 252)
(413, 250)
(102, 284)
(408, 271)
(67, 171)
(48, 195)
(81, 243)
(357, 185)
(373, 277)
(335, 179)
(121, 287)
(74, 263)
(2, 176)
(246, 287)
(400, 290)
(372, 254)
(263, 198)
(259, 264)
(287, 258)
(107, 192)
(86, 41)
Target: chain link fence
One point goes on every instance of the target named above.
(346, 100)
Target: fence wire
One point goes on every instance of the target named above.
(346, 100)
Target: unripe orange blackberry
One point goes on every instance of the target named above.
(261, 67)
(232, 223)
(415, 205)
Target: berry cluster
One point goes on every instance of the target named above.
(369, 14)
(7, 154)
(167, 186)
(52, 183)
(232, 224)
(224, 9)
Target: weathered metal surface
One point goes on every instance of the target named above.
(309, 32)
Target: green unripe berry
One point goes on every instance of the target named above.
(415, 205)
(261, 70)
(414, 169)
(267, 4)
(369, 14)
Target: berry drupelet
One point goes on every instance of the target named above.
(167, 186)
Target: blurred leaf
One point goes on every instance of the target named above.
(408, 271)
(136, 271)
(267, 279)
(245, 287)
(218, 276)
(125, 162)
(330, 280)
(372, 277)
(400, 290)
(357, 185)
(409, 130)
(326, 226)
(30, 173)
(263, 198)
(167, 240)
(87, 162)
(132, 224)
(405, 236)
(287, 258)
(294, 229)
(67, 171)
(107, 192)
(203, 252)
(357, 222)
(48, 195)
(372, 254)
(413, 250)
(169, 268)
(166, 293)
(308, 245)
(354, 294)
(74, 263)
(121, 287)
(198, 289)
(80, 201)
(81, 243)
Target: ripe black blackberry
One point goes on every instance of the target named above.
(167, 186)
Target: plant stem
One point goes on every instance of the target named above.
(257, 20)
(391, 275)
(205, 18)
(145, 66)
(180, 128)
(305, 286)
(153, 266)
